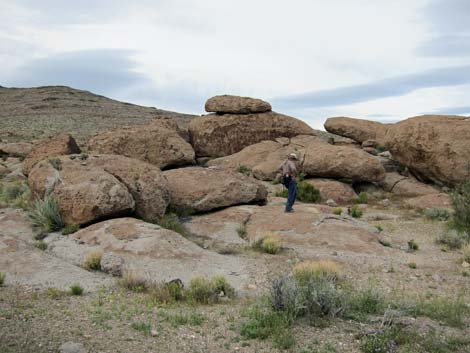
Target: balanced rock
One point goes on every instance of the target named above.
(89, 188)
(198, 189)
(158, 143)
(236, 105)
(56, 146)
(221, 135)
(333, 190)
(357, 129)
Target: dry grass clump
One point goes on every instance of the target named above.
(269, 243)
(93, 260)
(305, 271)
(133, 281)
(209, 290)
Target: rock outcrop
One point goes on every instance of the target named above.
(15, 149)
(236, 105)
(216, 135)
(434, 147)
(196, 189)
(90, 188)
(406, 186)
(317, 159)
(59, 145)
(158, 143)
(333, 190)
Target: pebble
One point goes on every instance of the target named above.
(153, 333)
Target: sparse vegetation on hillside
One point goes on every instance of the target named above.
(438, 214)
(362, 198)
(244, 169)
(306, 192)
(45, 215)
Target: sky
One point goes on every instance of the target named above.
(373, 59)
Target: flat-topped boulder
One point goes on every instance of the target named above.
(158, 143)
(221, 135)
(333, 190)
(90, 188)
(236, 105)
(434, 147)
(317, 159)
(406, 186)
(56, 146)
(197, 189)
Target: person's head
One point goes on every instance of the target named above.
(292, 157)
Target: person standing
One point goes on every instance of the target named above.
(289, 179)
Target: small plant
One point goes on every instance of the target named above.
(355, 212)
(450, 311)
(337, 211)
(380, 148)
(362, 198)
(379, 228)
(413, 246)
(178, 319)
(269, 243)
(466, 253)
(453, 239)
(306, 192)
(55, 293)
(385, 243)
(439, 214)
(133, 282)
(206, 291)
(41, 245)
(46, 215)
(244, 169)
(221, 286)
(56, 163)
(172, 222)
(365, 302)
(15, 194)
(2, 279)
(460, 199)
(412, 265)
(142, 327)
(379, 342)
(70, 229)
(76, 289)
(305, 271)
(93, 260)
(241, 231)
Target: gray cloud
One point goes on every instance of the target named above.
(109, 72)
(463, 110)
(446, 46)
(389, 87)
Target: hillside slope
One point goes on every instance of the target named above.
(35, 113)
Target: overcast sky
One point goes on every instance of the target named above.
(374, 59)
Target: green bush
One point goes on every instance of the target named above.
(412, 245)
(306, 192)
(244, 169)
(2, 278)
(241, 231)
(142, 327)
(439, 214)
(453, 239)
(76, 289)
(366, 302)
(362, 198)
(379, 228)
(207, 291)
(93, 260)
(379, 342)
(15, 194)
(172, 222)
(45, 215)
(412, 265)
(70, 229)
(460, 199)
(355, 212)
(337, 211)
(269, 243)
(41, 245)
(448, 310)
(282, 193)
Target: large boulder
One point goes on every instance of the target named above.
(56, 146)
(317, 159)
(333, 190)
(198, 189)
(439, 200)
(434, 147)
(15, 149)
(405, 186)
(357, 129)
(90, 188)
(158, 143)
(221, 135)
(236, 105)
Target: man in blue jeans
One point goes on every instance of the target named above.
(289, 179)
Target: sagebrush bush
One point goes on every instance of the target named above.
(45, 214)
(209, 290)
(15, 194)
(70, 229)
(355, 212)
(439, 214)
(412, 245)
(453, 239)
(269, 243)
(76, 289)
(308, 270)
(221, 285)
(93, 260)
(134, 282)
(460, 199)
(306, 192)
(2, 278)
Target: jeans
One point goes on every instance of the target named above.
(291, 186)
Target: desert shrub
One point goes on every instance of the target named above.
(306, 192)
(460, 199)
(412, 245)
(41, 245)
(466, 253)
(448, 310)
(362, 198)
(134, 282)
(56, 163)
(208, 290)
(380, 148)
(244, 169)
(70, 229)
(55, 293)
(172, 222)
(269, 243)
(412, 265)
(45, 214)
(337, 211)
(76, 289)
(355, 212)
(182, 318)
(439, 214)
(379, 342)
(16, 194)
(142, 327)
(366, 302)
(2, 278)
(282, 193)
(93, 260)
(379, 228)
(453, 239)
(285, 296)
(305, 271)
(241, 231)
